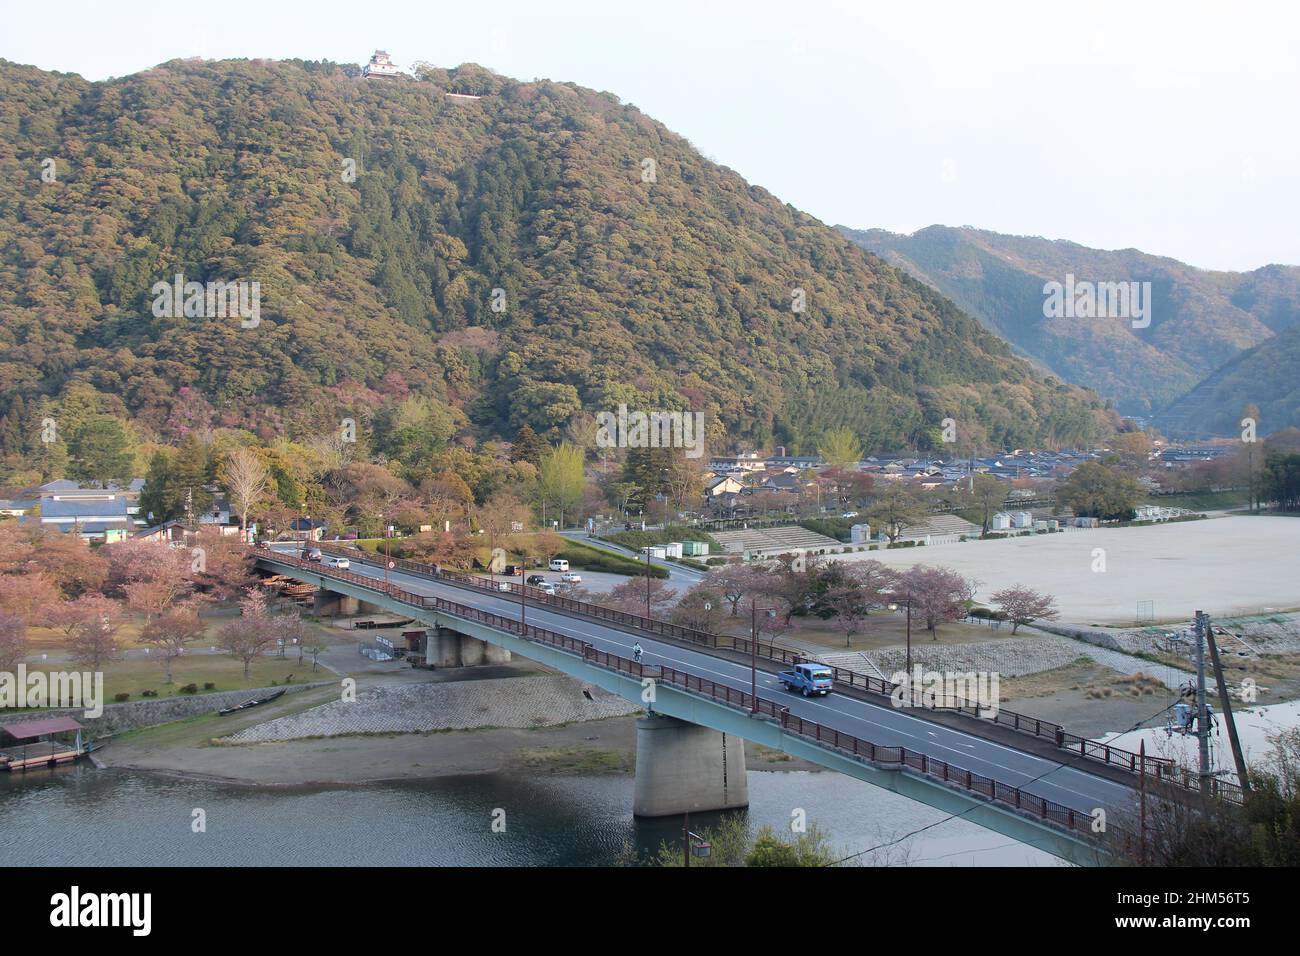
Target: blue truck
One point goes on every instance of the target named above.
(809, 678)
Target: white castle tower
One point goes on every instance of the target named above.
(381, 64)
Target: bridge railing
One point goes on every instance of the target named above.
(1161, 767)
(1049, 811)
(768, 649)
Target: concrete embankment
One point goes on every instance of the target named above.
(132, 715)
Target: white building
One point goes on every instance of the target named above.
(381, 64)
(1000, 521)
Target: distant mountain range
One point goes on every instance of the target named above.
(1209, 331)
(1267, 376)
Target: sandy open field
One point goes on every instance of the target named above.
(1235, 565)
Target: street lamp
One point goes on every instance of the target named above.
(701, 847)
(388, 530)
(894, 607)
(753, 651)
(647, 580)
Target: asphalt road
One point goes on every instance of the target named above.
(884, 726)
(682, 578)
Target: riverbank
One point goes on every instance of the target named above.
(278, 747)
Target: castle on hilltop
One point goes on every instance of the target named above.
(381, 64)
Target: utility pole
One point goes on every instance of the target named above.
(1202, 710)
(1226, 703)
(1142, 802)
(908, 667)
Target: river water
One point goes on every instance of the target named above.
(81, 815)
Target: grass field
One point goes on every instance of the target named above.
(199, 665)
(1205, 501)
(137, 674)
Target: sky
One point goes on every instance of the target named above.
(1171, 127)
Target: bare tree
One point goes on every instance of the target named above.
(732, 582)
(700, 609)
(171, 633)
(247, 478)
(93, 638)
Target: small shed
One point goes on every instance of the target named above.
(32, 744)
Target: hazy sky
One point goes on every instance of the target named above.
(1169, 127)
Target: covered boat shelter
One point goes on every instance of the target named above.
(33, 743)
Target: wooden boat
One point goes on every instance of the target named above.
(252, 702)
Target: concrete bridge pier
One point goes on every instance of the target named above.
(331, 603)
(444, 647)
(684, 768)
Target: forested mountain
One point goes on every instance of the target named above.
(631, 270)
(1199, 319)
(1267, 376)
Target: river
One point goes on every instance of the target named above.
(84, 816)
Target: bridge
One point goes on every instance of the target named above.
(1021, 777)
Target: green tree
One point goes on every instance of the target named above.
(560, 479)
(988, 494)
(528, 446)
(100, 452)
(840, 448)
(896, 507)
(1095, 490)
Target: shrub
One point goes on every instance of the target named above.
(121, 697)
(148, 693)
(190, 689)
(209, 686)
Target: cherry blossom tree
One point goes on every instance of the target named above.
(1023, 605)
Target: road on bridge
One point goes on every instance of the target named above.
(1069, 786)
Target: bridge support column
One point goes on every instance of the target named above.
(684, 768)
(447, 648)
(326, 603)
(442, 647)
(474, 652)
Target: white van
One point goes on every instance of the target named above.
(559, 564)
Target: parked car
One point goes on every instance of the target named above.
(504, 586)
(559, 564)
(341, 563)
(809, 679)
(547, 587)
(536, 579)
(849, 514)
(571, 577)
